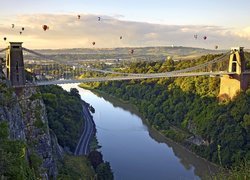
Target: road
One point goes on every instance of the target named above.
(82, 147)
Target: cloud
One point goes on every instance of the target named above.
(244, 33)
(67, 31)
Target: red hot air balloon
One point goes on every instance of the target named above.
(45, 27)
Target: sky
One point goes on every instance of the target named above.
(225, 23)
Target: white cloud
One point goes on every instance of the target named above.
(244, 33)
(66, 31)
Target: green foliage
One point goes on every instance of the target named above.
(75, 167)
(35, 162)
(35, 96)
(179, 107)
(65, 117)
(95, 157)
(38, 123)
(75, 92)
(239, 172)
(104, 172)
(6, 95)
(4, 133)
(65, 114)
(13, 164)
(102, 168)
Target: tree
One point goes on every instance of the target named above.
(104, 172)
(95, 157)
(75, 92)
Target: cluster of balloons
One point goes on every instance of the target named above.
(13, 26)
(99, 19)
(205, 38)
(46, 27)
(196, 37)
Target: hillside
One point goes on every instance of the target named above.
(140, 53)
(39, 132)
(187, 110)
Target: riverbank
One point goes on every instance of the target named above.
(87, 144)
(156, 134)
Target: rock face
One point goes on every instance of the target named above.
(37, 130)
(25, 112)
(10, 110)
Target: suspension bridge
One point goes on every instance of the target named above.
(235, 77)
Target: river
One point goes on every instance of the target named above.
(135, 151)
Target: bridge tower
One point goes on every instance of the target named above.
(231, 84)
(14, 64)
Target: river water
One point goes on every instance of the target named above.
(135, 151)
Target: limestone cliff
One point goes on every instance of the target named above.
(10, 110)
(36, 129)
(25, 113)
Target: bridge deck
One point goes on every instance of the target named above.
(119, 78)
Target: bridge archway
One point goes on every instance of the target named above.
(231, 84)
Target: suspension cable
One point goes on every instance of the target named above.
(218, 59)
(2, 50)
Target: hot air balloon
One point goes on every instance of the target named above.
(195, 36)
(4, 38)
(20, 32)
(45, 27)
(99, 18)
(78, 16)
(22, 28)
(93, 43)
(216, 47)
(205, 37)
(132, 51)
(120, 37)
(13, 25)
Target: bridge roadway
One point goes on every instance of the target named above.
(82, 147)
(119, 78)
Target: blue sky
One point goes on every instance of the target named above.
(226, 17)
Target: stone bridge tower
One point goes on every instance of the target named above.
(231, 84)
(15, 65)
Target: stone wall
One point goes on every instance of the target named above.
(230, 85)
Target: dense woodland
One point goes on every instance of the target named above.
(65, 116)
(188, 107)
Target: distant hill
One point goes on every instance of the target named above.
(143, 53)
